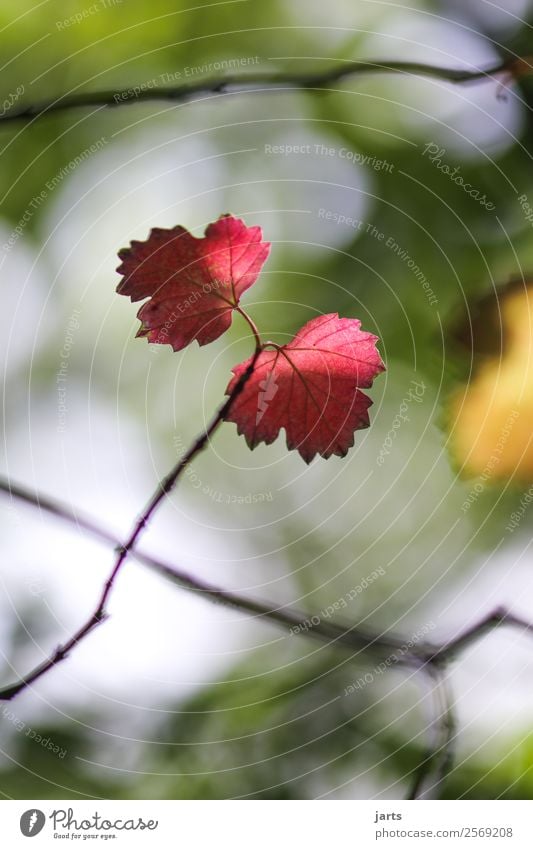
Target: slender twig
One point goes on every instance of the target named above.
(164, 487)
(354, 638)
(251, 83)
(499, 616)
(427, 658)
(59, 654)
(439, 761)
(57, 508)
(169, 481)
(423, 655)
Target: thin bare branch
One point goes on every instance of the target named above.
(164, 487)
(351, 637)
(429, 659)
(499, 616)
(423, 655)
(251, 83)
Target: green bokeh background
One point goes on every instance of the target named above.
(270, 721)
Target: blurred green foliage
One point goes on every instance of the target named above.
(278, 727)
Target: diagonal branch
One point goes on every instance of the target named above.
(168, 483)
(164, 487)
(499, 616)
(259, 82)
(427, 658)
(354, 638)
(423, 655)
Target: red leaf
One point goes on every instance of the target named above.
(193, 284)
(311, 387)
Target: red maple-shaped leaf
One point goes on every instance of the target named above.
(311, 387)
(193, 284)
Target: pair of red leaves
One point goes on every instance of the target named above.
(311, 386)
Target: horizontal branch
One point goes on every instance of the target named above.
(355, 638)
(254, 83)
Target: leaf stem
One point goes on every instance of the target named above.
(258, 343)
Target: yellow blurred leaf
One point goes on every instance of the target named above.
(491, 417)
